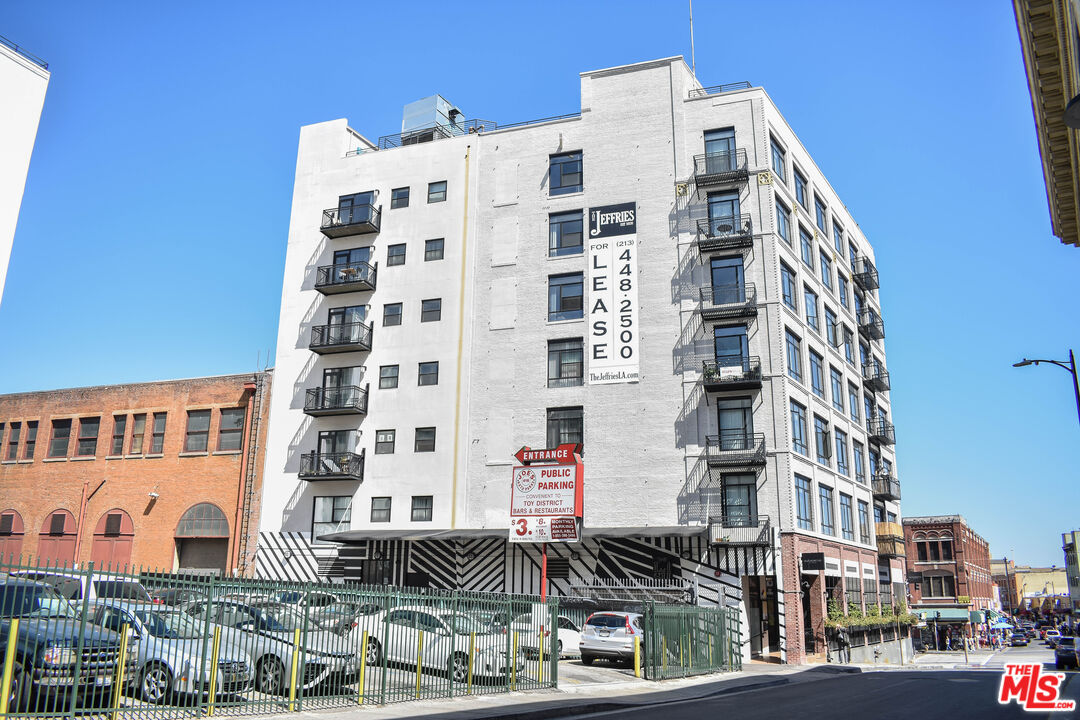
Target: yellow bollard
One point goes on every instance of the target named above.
(691, 652)
(513, 664)
(121, 661)
(472, 647)
(419, 665)
(9, 664)
(295, 667)
(363, 665)
(637, 656)
(215, 651)
(663, 651)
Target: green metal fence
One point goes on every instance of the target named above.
(95, 642)
(684, 640)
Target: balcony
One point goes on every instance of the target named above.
(725, 233)
(723, 168)
(731, 373)
(353, 220)
(881, 431)
(890, 539)
(875, 376)
(735, 448)
(345, 400)
(350, 337)
(349, 277)
(871, 325)
(886, 487)
(740, 530)
(865, 274)
(723, 302)
(332, 466)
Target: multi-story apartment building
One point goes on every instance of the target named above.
(24, 79)
(666, 277)
(1070, 541)
(160, 475)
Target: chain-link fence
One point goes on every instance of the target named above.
(90, 642)
(684, 640)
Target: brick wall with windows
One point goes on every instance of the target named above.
(948, 562)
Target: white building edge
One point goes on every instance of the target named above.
(674, 504)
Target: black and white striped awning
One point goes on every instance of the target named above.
(352, 536)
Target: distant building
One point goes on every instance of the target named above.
(1029, 589)
(23, 81)
(948, 567)
(160, 475)
(1048, 38)
(1069, 543)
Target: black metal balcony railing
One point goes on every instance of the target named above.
(886, 487)
(875, 376)
(348, 277)
(340, 338)
(721, 168)
(740, 530)
(865, 274)
(871, 324)
(332, 466)
(345, 400)
(881, 431)
(725, 233)
(718, 89)
(719, 302)
(731, 373)
(735, 448)
(352, 220)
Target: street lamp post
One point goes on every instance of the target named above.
(1069, 366)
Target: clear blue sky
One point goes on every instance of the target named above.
(152, 236)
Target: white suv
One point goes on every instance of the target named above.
(610, 635)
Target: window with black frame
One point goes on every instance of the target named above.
(565, 233)
(331, 514)
(566, 297)
(566, 363)
(565, 425)
(565, 173)
(740, 500)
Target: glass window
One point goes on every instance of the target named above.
(794, 356)
(565, 173)
(864, 522)
(783, 222)
(13, 441)
(849, 345)
(864, 355)
(157, 435)
(800, 188)
(837, 382)
(787, 286)
(739, 500)
(119, 433)
(388, 377)
(826, 496)
(838, 238)
(860, 466)
(841, 288)
(826, 269)
(847, 521)
(778, 160)
(565, 233)
(384, 441)
(431, 310)
(806, 241)
(380, 509)
(821, 440)
(231, 430)
(820, 215)
(841, 453)
(395, 254)
(566, 362)
(798, 428)
(565, 297)
(391, 314)
(817, 374)
(804, 510)
(428, 374)
(811, 301)
(332, 514)
(433, 249)
(832, 331)
(425, 440)
(198, 431)
(88, 435)
(61, 436)
(853, 401)
(138, 430)
(399, 198)
(565, 425)
(853, 254)
(421, 508)
(31, 440)
(436, 191)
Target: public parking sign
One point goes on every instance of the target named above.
(545, 500)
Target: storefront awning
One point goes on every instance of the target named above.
(956, 615)
(353, 536)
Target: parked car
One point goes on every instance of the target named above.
(1019, 639)
(306, 600)
(1051, 637)
(267, 634)
(177, 597)
(447, 635)
(76, 586)
(610, 635)
(567, 639)
(1065, 653)
(49, 634)
(174, 653)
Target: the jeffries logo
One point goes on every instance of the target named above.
(1032, 689)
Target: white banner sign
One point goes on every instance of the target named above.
(543, 490)
(613, 295)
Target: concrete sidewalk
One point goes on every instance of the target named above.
(588, 698)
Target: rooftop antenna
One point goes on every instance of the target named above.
(693, 65)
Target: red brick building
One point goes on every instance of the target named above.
(163, 475)
(948, 567)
